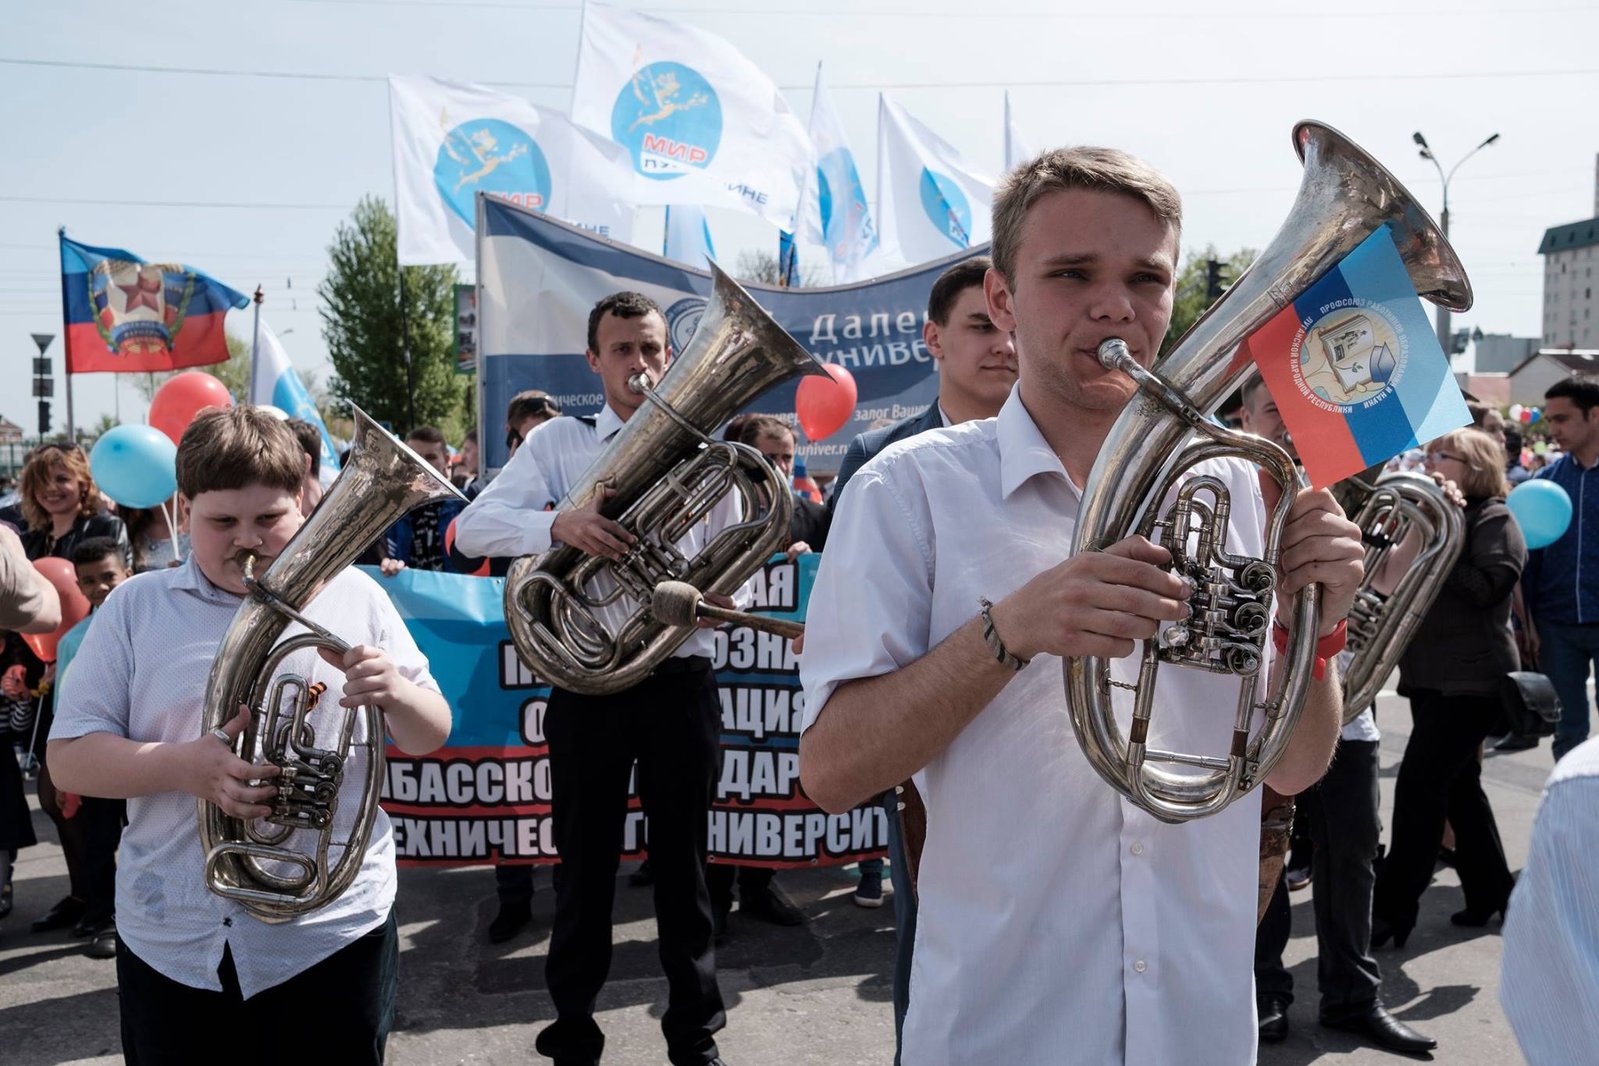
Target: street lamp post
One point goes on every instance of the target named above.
(1444, 339)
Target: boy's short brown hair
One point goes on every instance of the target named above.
(1095, 169)
(234, 447)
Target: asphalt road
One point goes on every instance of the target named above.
(806, 996)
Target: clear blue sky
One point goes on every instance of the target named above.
(245, 175)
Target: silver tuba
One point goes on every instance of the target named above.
(1381, 625)
(250, 862)
(568, 611)
(1344, 197)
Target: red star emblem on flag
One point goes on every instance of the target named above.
(144, 292)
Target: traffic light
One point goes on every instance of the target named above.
(44, 419)
(1215, 280)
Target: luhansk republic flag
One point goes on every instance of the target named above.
(123, 315)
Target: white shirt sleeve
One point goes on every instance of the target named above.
(870, 609)
(513, 515)
(1550, 980)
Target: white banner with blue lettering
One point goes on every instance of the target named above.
(485, 795)
(703, 124)
(538, 279)
(453, 140)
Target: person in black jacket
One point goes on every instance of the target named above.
(1451, 674)
(62, 509)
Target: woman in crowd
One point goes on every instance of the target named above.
(62, 508)
(150, 537)
(1451, 674)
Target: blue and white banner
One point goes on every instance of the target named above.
(485, 796)
(834, 212)
(929, 200)
(538, 279)
(274, 381)
(453, 140)
(702, 123)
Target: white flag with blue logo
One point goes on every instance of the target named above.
(453, 140)
(930, 201)
(702, 124)
(1016, 149)
(834, 212)
(688, 236)
(274, 381)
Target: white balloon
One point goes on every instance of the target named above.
(276, 412)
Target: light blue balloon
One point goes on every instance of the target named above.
(1542, 509)
(137, 466)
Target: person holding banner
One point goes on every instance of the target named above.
(670, 723)
(1053, 913)
(976, 371)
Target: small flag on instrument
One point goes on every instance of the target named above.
(1355, 368)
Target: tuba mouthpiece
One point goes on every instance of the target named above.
(1113, 354)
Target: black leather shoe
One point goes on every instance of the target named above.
(1516, 742)
(509, 922)
(770, 905)
(1273, 1011)
(1382, 932)
(1379, 1027)
(102, 941)
(1472, 919)
(63, 915)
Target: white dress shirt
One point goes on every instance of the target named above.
(1058, 922)
(514, 515)
(141, 673)
(1550, 982)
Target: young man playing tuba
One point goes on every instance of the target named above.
(1056, 918)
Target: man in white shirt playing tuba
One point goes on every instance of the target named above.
(1059, 922)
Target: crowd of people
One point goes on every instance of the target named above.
(946, 597)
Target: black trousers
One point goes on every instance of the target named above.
(101, 825)
(1341, 816)
(670, 724)
(1440, 778)
(344, 1006)
(752, 880)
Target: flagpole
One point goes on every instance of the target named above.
(66, 343)
(405, 346)
(255, 346)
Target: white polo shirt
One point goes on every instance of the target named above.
(515, 514)
(1058, 923)
(141, 673)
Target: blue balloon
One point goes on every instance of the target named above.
(135, 465)
(1542, 509)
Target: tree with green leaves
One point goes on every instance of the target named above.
(1193, 297)
(367, 337)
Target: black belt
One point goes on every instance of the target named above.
(684, 664)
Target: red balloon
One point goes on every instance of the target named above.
(74, 608)
(182, 397)
(825, 404)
